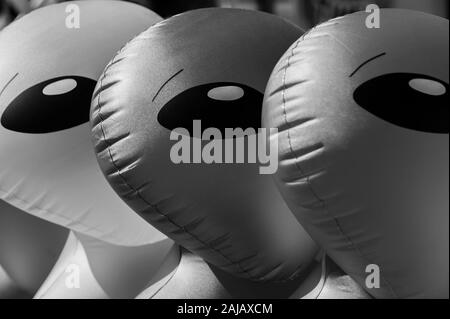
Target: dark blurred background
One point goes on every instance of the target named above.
(305, 13)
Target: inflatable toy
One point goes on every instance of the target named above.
(50, 61)
(363, 123)
(207, 67)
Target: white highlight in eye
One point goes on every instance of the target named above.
(60, 87)
(226, 93)
(429, 87)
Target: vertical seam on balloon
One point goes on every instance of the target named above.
(308, 181)
(164, 285)
(137, 192)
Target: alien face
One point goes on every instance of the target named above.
(50, 106)
(218, 105)
(413, 101)
(48, 74)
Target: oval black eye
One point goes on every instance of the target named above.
(412, 101)
(217, 105)
(50, 106)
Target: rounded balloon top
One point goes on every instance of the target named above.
(396, 66)
(230, 58)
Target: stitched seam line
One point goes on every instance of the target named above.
(139, 195)
(308, 181)
(169, 280)
(164, 285)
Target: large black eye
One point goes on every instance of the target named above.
(50, 106)
(217, 105)
(412, 101)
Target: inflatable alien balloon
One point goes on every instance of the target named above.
(363, 118)
(49, 67)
